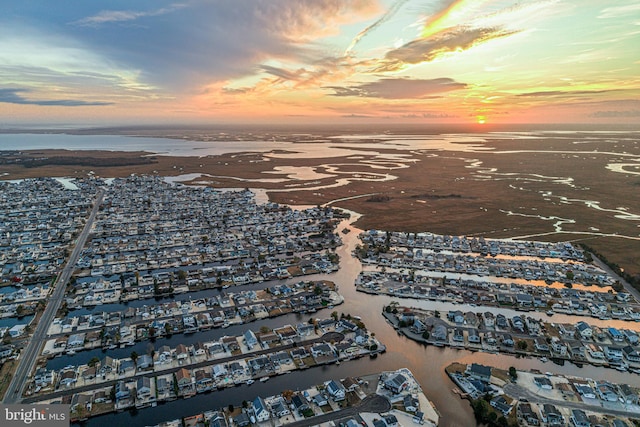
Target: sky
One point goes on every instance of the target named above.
(128, 62)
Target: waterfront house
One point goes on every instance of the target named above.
(595, 351)
(540, 344)
(143, 387)
(68, 377)
(507, 340)
(122, 391)
(630, 336)
(127, 367)
(260, 410)
(480, 372)
(235, 368)
(320, 399)
(250, 339)
(321, 349)
(411, 403)
(336, 390)
(615, 334)
(279, 407)
(181, 352)
(631, 354)
(230, 343)
(559, 347)
(396, 382)
(183, 378)
(501, 321)
(474, 336)
(500, 404)
(613, 354)
(440, 333)
(628, 394)
(584, 331)
(107, 365)
(299, 404)
(89, 373)
(606, 391)
(584, 390)
(458, 334)
(144, 362)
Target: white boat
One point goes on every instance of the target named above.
(264, 379)
(250, 381)
(544, 359)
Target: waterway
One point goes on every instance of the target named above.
(426, 362)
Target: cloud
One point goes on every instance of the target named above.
(615, 114)
(428, 49)
(619, 11)
(186, 45)
(110, 16)
(399, 88)
(12, 96)
(561, 93)
(384, 18)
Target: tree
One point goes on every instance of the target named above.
(522, 345)
(134, 356)
(230, 408)
(425, 335)
(513, 373)
(20, 310)
(93, 362)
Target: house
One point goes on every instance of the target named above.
(127, 367)
(500, 404)
(579, 418)
(501, 321)
(390, 420)
(595, 351)
(76, 341)
(440, 333)
(584, 331)
(396, 382)
(143, 387)
(559, 347)
(458, 335)
(540, 344)
(527, 414)
(242, 420)
(480, 372)
(68, 377)
(606, 391)
(613, 354)
(456, 317)
(585, 390)
(550, 415)
(181, 352)
(321, 399)
(299, 403)
(5, 351)
(107, 365)
(543, 382)
(122, 391)
(336, 390)
(260, 410)
(279, 408)
(250, 339)
(80, 400)
(321, 349)
(628, 394)
(507, 340)
(89, 373)
(44, 377)
(615, 334)
(183, 377)
(630, 336)
(411, 403)
(631, 354)
(216, 419)
(144, 362)
(489, 319)
(474, 336)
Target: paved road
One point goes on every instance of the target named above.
(627, 286)
(30, 353)
(371, 403)
(519, 392)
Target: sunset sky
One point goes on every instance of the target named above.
(334, 61)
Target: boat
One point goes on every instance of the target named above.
(264, 379)
(544, 359)
(550, 313)
(250, 381)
